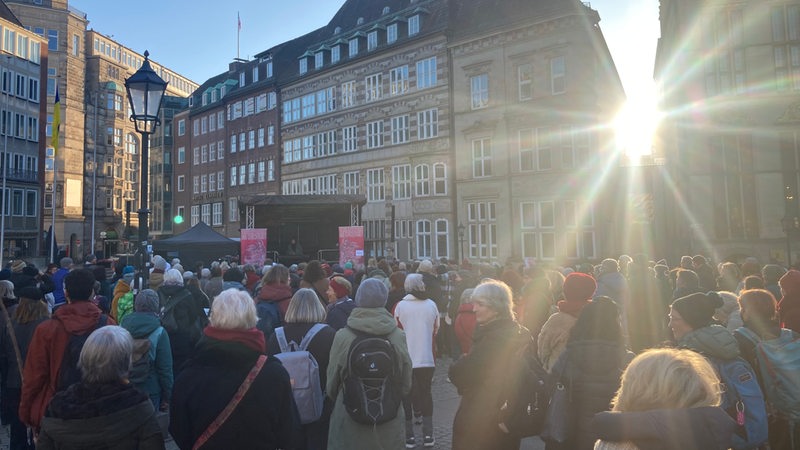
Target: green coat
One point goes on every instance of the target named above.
(345, 434)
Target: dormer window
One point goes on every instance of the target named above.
(413, 25)
(255, 74)
(360, 21)
(337, 30)
(213, 95)
(318, 58)
(303, 66)
(372, 40)
(391, 33)
(385, 10)
(269, 69)
(335, 53)
(353, 47)
(241, 79)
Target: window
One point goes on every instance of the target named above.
(422, 180)
(335, 54)
(391, 33)
(204, 125)
(251, 173)
(373, 87)
(375, 189)
(349, 139)
(212, 182)
(442, 241)
(52, 40)
(439, 179)
(181, 212)
(527, 150)
(255, 76)
(204, 154)
(233, 143)
(220, 180)
(220, 119)
(398, 80)
(326, 143)
(195, 215)
(76, 45)
(350, 183)
(216, 219)
(399, 129)
(318, 58)
(428, 124)
(233, 210)
(372, 40)
(271, 170)
(196, 156)
(181, 127)
(196, 127)
(426, 73)
(401, 182)
(251, 138)
(261, 137)
(558, 75)
(413, 25)
(233, 175)
(352, 46)
(212, 151)
(527, 214)
(17, 202)
(303, 65)
(203, 184)
(479, 90)
(261, 172)
(423, 239)
(269, 69)
(482, 230)
(181, 155)
(242, 174)
(196, 184)
(544, 148)
(33, 90)
(481, 157)
(348, 94)
(221, 150)
(206, 213)
(242, 142)
(525, 81)
(375, 134)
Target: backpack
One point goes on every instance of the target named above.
(144, 357)
(527, 395)
(124, 306)
(743, 400)
(778, 364)
(69, 373)
(304, 374)
(372, 389)
(170, 322)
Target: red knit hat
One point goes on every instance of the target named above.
(579, 287)
(341, 287)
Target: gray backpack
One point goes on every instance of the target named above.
(304, 374)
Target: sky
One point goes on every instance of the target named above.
(197, 38)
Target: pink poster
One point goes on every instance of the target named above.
(254, 246)
(351, 245)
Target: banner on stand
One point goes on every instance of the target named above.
(351, 245)
(254, 246)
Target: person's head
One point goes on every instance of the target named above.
(233, 274)
(106, 355)
(771, 273)
(99, 273)
(7, 289)
(790, 283)
(609, 265)
(146, 301)
(205, 273)
(667, 378)
(579, 287)
(692, 312)
(278, 274)
(66, 263)
(730, 270)
(492, 300)
(304, 307)
(759, 310)
(233, 309)
(339, 288)
(18, 265)
(30, 307)
(173, 277)
(687, 279)
(372, 293)
(79, 285)
(686, 262)
(159, 263)
(466, 296)
(599, 320)
(415, 285)
(753, 282)
(128, 273)
(729, 305)
(398, 280)
(426, 266)
(698, 260)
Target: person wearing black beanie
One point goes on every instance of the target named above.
(693, 311)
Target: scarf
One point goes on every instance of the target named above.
(571, 308)
(252, 338)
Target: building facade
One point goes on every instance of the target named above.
(23, 74)
(731, 141)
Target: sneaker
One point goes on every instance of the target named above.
(411, 442)
(428, 441)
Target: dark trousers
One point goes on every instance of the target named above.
(19, 432)
(420, 397)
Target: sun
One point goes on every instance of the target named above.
(636, 124)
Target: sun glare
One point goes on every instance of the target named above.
(635, 126)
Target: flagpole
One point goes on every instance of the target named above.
(238, 32)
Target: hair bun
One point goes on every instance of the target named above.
(714, 299)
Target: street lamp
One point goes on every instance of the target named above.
(461, 242)
(145, 93)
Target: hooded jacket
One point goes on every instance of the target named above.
(111, 416)
(712, 341)
(346, 434)
(159, 381)
(46, 352)
(705, 428)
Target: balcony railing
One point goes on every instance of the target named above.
(30, 176)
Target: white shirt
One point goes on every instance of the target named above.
(420, 321)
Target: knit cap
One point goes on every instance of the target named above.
(579, 287)
(698, 309)
(425, 266)
(372, 293)
(146, 301)
(17, 266)
(341, 287)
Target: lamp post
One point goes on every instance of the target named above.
(790, 223)
(145, 94)
(461, 242)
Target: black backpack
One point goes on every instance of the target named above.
(527, 394)
(69, 373)
(372, 387)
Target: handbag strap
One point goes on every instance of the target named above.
(223, 416)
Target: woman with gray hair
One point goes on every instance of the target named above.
(479, 375)
(182, 317)
(231, 352)
(104, 410)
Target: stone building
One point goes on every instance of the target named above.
(730, 139)
(23, 74)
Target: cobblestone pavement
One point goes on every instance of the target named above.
(445, 404)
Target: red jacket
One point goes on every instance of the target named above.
(45, 353)
(465, 326)
(277, 293)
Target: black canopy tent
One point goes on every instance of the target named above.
(199, 243)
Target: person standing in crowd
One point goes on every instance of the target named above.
(65, 265)
(369, 317)
(465, 323)
(590, 369)
(612, 284)
(397, 291)
(304, 312)
(314, 278)
(103, 410)
(157, 274)
(228, 354)
(479, 375)
(686, 283)
(771, 274)
(275, 289)
(789, 306)
(214, 285)
(578, 290)
(123, 286)
(668, 400)
(418, 316)
(537, 303)
(233, 278)
(47, 349)
(31, 311)
(182, 317)
(144, 324)
(705, 273)
(341, 305)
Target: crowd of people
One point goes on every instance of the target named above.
(630, 354)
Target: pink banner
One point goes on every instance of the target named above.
(254, 246)
(351, 245)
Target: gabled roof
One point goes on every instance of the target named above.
(6, 13)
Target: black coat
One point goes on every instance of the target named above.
(266, 418)
(190, 318)
(480, 378)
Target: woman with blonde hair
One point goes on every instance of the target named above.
(668, 400)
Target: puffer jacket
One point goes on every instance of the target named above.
(712, 341)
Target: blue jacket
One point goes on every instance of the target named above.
(159, 382)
